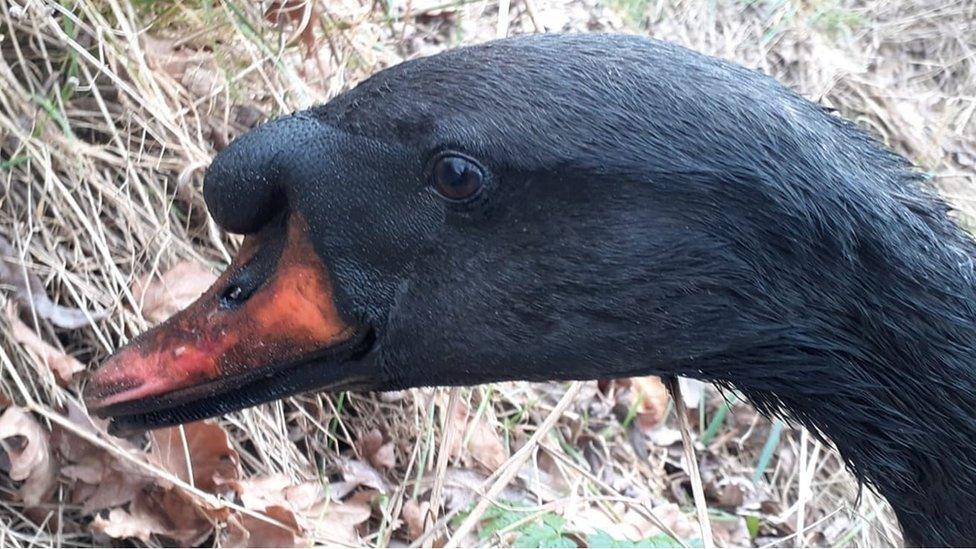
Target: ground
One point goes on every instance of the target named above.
(109, 112)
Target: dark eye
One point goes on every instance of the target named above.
(457, 178)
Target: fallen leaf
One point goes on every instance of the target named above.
(379, 454)
(301, 508)
(249, 531)
(29, 292)
(691, 392)
(26, 444)
(629, 524)
(121, 524)
(483, 443)
(302, 14)
(662, 435)
(463, 487)
(173, 291)
(103, 480)
(414, 514)
(212, 460)
(263, 491)
(337, 521)
(652, 401)
(307, 494)
(731, 532)
(363, 474)
(486, 447)
(62, 364)
(100, 480)
(163, 55)
(179, 515)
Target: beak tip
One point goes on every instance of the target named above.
(108, 385)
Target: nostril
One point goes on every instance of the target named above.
(232, 295)
(234, 292)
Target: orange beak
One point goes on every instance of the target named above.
(210, 353)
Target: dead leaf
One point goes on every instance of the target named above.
(484, 444)
(101, 480)
(121, 524)
(362, 474)
(302, 14)
(249, 531)
(307, 494)
(156, 511)
(628, 524)
(163, 55)
(262, 491)
(301, 508)
(212, 460)
(172, 292)
(463, 487)
(691, 391)
(337, 521)
(29, 453)
(414, 514)
(486, 447)
(379, 454)
(180, 516)
(731, 532)
(652, 401)
(29, 292)
(662, 435)
(62, 364)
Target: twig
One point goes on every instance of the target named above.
(696, 483)
(803, 489)
(443, 456)
(501, 31)
(512, 466)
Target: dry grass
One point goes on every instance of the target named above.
(110, 110)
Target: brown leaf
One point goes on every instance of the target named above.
(652, 401)
(379, 455)
(168, 513)
(262, 491)
(179, 515)
(249, 531)
(414, 514)
(172, 292)
(484, 444)
(29, 292)
(337, 521)
(486, 447)
(463, 487)
(163, 55)
(26, 444)
(103, 480)
(62, 364)
(99, 479)
(275, 496)
(630, 525)
(121, 524)
(363, 474)
(213, 461)
(302, 14)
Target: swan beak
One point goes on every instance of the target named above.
(214, 351)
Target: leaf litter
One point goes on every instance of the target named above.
(183, 110)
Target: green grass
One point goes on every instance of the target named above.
(531, 529)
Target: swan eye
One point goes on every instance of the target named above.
(457, 178)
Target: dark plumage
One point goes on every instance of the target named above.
(647, 210)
